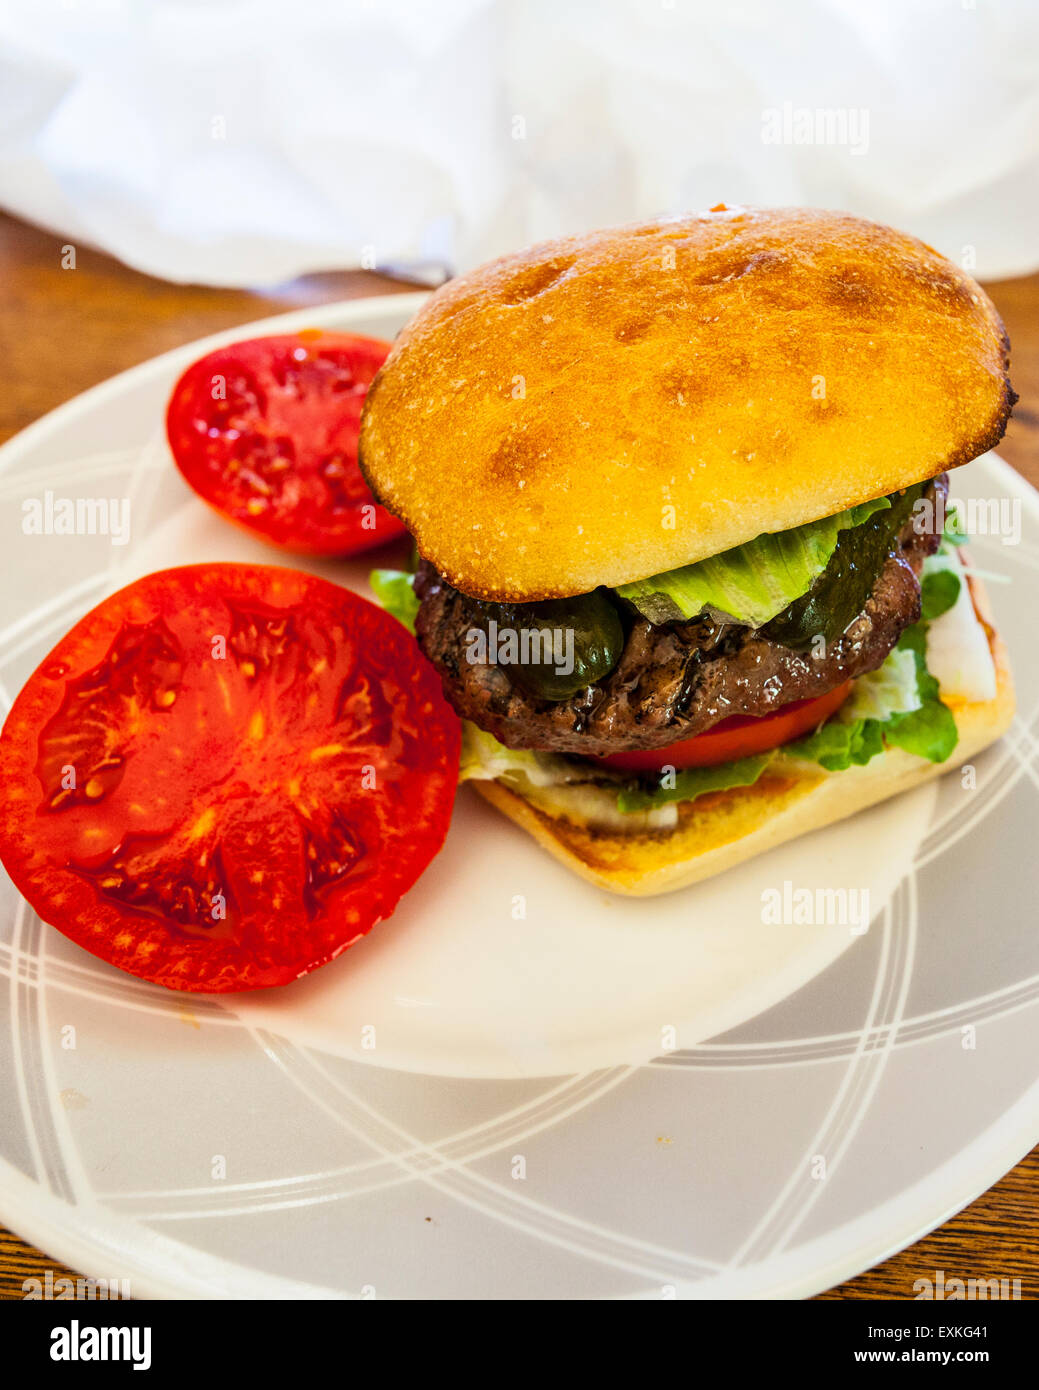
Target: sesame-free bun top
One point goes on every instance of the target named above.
(603, 407)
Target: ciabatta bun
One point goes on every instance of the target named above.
(603, 407)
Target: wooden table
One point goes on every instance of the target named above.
(65, 330)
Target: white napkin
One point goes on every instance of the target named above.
(242, 142)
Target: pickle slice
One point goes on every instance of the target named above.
(585, 630)
(839, 595)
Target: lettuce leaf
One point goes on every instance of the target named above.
(692, 782)
(897, 706)
(750, 583)
(891, 689)
(395, 591)
(485, 759)
(939, 590)
(930, 731)
(558, 785)
(837, 745)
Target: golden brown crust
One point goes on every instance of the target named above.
(749, 369)
(718, 831)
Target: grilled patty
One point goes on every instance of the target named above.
(675, 680)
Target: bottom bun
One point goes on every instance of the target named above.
(722, 829)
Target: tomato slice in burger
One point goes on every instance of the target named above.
(738, 737)
(225, 775)
(266, 432)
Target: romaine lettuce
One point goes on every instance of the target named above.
(939, 587)
(885, 710)
(891, 689)
(395, 592)
(484, 758)
(750, 583)
(692, 782)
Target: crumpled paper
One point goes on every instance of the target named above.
(244, 142)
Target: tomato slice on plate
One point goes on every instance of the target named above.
(739, 737)
(266, 432)
(225, 775)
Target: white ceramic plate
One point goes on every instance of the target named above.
(570, 1095)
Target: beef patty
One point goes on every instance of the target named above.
(675, 680)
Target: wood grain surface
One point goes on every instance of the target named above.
(65, 330)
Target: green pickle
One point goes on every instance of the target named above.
(839, 595)
(598, 641)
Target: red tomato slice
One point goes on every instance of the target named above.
(225, 775)
(266, 432)
(738, 737)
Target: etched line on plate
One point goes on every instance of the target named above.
(785, 1212)
(106, 465)
(18, 1069)
(454, 1180)
(874, 1065)
(543, 1106)
(73, 1174)
(35, 1102)
(835, 1047)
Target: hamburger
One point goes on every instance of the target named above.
(678, 494)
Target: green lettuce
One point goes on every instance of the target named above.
(939, 588)
(692, 782)
(485, 759)
(837, 745)
(897, 706)
(891, 689)
(750, 583)
(930, 731)
(395, 591)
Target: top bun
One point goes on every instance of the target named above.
(603, 407)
